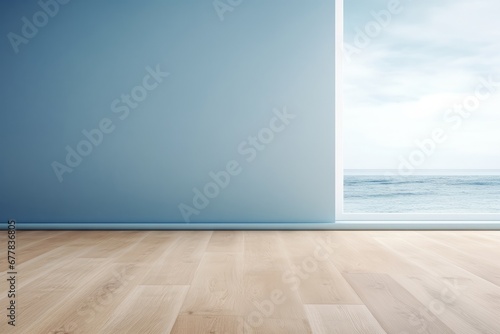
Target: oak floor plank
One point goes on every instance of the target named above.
(207, 324)
(96, 306)
(226, 241)
(359, 253)
(312, 274)
(40, 296)
(222, 282)
(324, 290)
(46, 243)
(266, 294)
(445, 300)
(396, 310)
(263, 250)
(463, 301)
(47, 264)
(341, 319)
(93, 302)
(115, 245)
(25, 239)
(179, 262)
(148, 249)
(147, 309)
(483, 265)
(476, 245)
(216, 288)
(279, 326)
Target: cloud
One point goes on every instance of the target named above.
(398, 88)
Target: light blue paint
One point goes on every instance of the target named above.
(226, 78)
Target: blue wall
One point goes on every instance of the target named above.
(167, 91)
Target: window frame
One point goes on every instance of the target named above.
(387, 220)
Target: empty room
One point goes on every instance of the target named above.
(250, 167)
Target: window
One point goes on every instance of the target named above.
(418, 110)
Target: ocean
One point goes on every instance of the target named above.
(422, 194)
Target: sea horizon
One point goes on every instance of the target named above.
(429, 193)
(435, 172)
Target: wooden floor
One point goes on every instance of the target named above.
(243, 282)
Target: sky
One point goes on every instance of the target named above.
(225, 78)
(408, 80)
